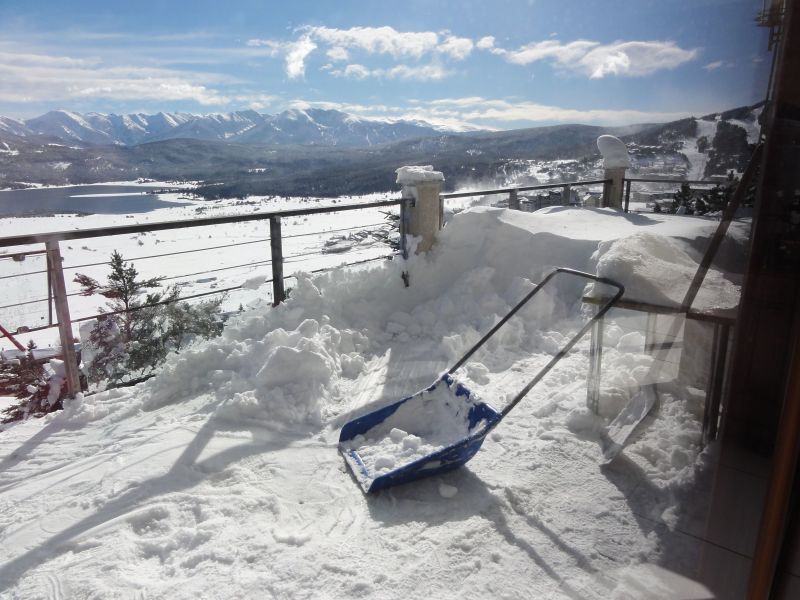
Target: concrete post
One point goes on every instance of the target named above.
(422, 185)
(615, 163)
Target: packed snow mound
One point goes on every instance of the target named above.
(614, 152)
(284, 365)
(657, 270)
(281, 377)
(418, 174)
(424, 424)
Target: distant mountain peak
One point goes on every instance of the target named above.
(301, 126)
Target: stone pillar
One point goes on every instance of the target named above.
(615, 163)
(423, 185)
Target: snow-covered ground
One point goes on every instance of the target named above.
(220, 478)
(697, 159)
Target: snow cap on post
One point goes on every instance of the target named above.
(614, 151)
(418, 174)
(425, 213)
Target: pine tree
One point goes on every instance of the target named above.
(683, 197)
(141, 327)
(29, 381)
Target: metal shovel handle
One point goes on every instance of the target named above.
(561, 353)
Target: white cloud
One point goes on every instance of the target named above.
(421, 72)
(630, 59)
(635, 59)
(337, 53)
(273, 47)
(356, 71)
(339, 44)
(564, 54)
(458, 48)
(295, 53)
(472, 109)
(713, 65)
(296, 56)
(377, 40)
(475, 112)
(30, 77)
(407, 72)
(356, 109)
(43, 60)
(486, 42)
(254, 101)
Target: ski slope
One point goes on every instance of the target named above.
(220, 478)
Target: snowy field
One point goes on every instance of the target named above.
(220, 478)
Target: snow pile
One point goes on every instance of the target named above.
(284, 378)
(614, 152)
(657, 270)
(417, 174)
(221, 475)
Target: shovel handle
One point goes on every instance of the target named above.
(561, 353)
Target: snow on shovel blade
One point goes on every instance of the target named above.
(433, 431)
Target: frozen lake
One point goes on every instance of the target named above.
(95, 199)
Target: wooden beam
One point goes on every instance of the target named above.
(62, 313)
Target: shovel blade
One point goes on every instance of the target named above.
(478, 418)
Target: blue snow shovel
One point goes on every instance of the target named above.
(477, 418)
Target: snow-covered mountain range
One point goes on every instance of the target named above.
(312, 126)
(326, 152)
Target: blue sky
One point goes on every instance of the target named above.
(500, 64)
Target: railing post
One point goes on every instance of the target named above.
(64, 321)
(49, 291)
(615, 163)
(276, 256)
(627, 194)
(404, 220)
(513, 200)
(565, 196)
(422, 187)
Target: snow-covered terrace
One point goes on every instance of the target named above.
(220, 477)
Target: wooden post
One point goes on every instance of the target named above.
(513, 200)
(64, 320)
(276, 248)
(565, 196)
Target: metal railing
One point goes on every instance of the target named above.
(513, 192)
(673, 180)
(58, 297)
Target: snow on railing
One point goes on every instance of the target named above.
(513, 192)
